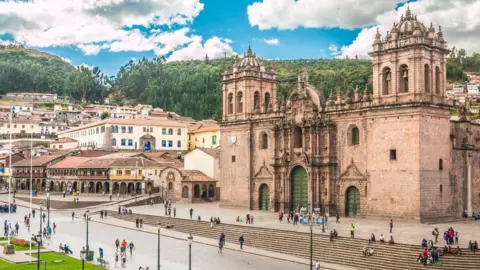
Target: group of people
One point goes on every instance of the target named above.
(139, 222)
(103, 214)
(214, 221)
(372, 239)
(168, 209)
(125, 211)
(473, 246)
(123, 254)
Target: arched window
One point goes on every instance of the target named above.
(267, 101)
(170, 185)
(185, 192)
(179, 144)
(239, 102)
(264, 141)
(386, 79)
(230, 103)
(256, 101)
(179, 131)
(170, 131)
(114, 141)
(403, 80)
(196, 191)
(426, 77)
(297, 137)
(355, 136)
(440, 164)
(438, 78)
(211, 191)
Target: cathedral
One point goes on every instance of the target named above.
(395, 153)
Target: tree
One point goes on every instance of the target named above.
(105, 115)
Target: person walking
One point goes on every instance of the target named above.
(241, 240)
(124, 260)
(100, 251)
(136, 222)
(174, 212)
(456, 237)
(317, 265)
(131, 246)
(352, 231)
(191, 213)
(101, 214)
(220, 247)
(105, 214)
(33, 213)
(141, 222)
(391, 225)
(44, 217)
(110, 197)
(54, 227)
(117, 243)
(116, 259)
(435, 233)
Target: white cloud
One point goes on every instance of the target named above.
(291, 14)
(89, 49)
(334, 50)
(94, 25)
(272, 41)
(66, 60)
(90, 67)
(215, 48)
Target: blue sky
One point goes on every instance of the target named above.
(109, 33)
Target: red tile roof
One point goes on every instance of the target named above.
(70, 162)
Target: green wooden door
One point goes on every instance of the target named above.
(353, 202)
(264, 197)
(299, 188)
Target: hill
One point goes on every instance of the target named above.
(24, 69)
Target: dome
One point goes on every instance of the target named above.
(249, 60)
(409, 24)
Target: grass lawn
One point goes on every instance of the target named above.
(21, 248)
(67, 264)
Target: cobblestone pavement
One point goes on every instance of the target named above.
(174, 252)
(408, 232)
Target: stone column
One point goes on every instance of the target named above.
(469, 186)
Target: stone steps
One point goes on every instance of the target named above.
(298, 244)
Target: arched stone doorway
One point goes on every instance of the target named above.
(99, 187)
(147, 142)
(149, 187)
(299, 188)
(204, 191)
(138, 188)
(83, 187)
(62, 186)
(74, 187)
(106, 187)
(91, 187)
(123, 188)
(196, 191)
(211, 191)
(51, 186)
(44, 184)
(264, 197)
(352, 204)
(131, 188)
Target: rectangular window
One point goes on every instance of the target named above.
(119, 172)
(123, 142)
(164, 131)
(128, 172)
(393, 154)
(102, 129)
(164, 143)
(130, 142)
(170, 143)
(130, 129)
(170, 131)
(179, 144)
(144, 129)
(233, 158)
(214, 139)
(151, 130)
(124, 129)
(97, 130)
(139, 172)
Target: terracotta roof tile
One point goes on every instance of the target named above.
(36, 161)
(70, 162)
(206, 128)
(195, 176)
(214, 152)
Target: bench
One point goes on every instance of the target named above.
(102, 262)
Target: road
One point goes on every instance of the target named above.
(174, 252)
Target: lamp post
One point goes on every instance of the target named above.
(39, 237)
(83, 253)
(48, 208)
(311, 230)
(158, 255)
(190, 241)
(88, 218)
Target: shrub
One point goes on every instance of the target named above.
(20, 242)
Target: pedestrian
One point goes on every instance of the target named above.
(33, 213)
(124, 260)
(391, 225)
(44, 217)
(191, 213)
(151, 202)
(174, 212)
(222, 238)
(435, 233)
(141, 223)
(100, 250)
(101, 214)
(131, 246)
(105, 214)
(456, 237)
(119, 210)
(169, 212)
(117, 243)
(220, 246)
(84, 215)
(54, 227)
(325, 219)
(116, 258)
(110, 197)
(352, 231)
(241, 240)
(73, 215)
(64, 194)
(338, 218)
(16, 228)
(136, 222)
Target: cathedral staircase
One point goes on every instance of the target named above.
(342, 251)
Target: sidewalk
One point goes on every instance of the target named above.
(212, 242)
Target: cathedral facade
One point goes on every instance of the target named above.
(391, 154)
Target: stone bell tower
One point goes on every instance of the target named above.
(409, 63)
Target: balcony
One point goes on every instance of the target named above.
(127, 177)
(27, 175)
(78, 177)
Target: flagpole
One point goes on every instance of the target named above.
(31, 175)
(10, 176)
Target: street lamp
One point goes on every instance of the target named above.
(48, 208)
(190, 241)
(39, 237)
(83, 253)
(158, 255)
(88, 218)
(311, 229)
